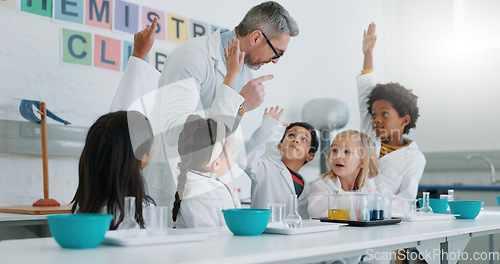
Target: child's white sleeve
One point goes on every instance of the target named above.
(138, 79)
(318, 199)
(365, 83)
(411, 178)
(200, 211)
(256, 146)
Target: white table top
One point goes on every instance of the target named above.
(21, 219)
(223, 247)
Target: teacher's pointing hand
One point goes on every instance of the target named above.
(253, 92)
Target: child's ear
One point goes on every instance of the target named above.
(144, 161)
(146, 158)
(406, 120)
(217, 164)
(279, 146)
(310, 156)
(142, 164)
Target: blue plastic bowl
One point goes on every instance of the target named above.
(79, 231)
(247, 222)
(465, 209)
(438, 206)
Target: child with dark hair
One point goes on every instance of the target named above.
(118, 146)
(206, 151)
(274, 181)
(388, 111)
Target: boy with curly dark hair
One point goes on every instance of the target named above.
(388, 111)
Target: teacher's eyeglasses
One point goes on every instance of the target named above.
(272, 47)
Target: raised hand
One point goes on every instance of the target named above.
(369, 38)
(234, 61)
(253, 92)
(275, 113)
(143, 40)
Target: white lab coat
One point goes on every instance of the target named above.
(321, 188)
(191, 83)
(137, 87)
(271, 180)
(399, 171)
(203, 200)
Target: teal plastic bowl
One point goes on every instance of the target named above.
(438, 206)
(498, 200)
(465, 209)
(247, 222)
(79, 231)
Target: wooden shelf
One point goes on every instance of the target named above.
(37, 210)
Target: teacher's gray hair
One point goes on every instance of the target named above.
(270, 17)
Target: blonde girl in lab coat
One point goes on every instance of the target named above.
(118, 146)
(352, 162)
(206, 150)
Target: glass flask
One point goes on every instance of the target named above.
(425, 200)
(293, 219)
(129, 227)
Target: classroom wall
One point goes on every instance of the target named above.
(320, 63)
(448, 52)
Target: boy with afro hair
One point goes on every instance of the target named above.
(388, 111)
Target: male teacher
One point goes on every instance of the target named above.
(192, 82)
(193, 73)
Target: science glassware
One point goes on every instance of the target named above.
(425, 200)
(293, 219)
(129, 227)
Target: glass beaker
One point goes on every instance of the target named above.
(403, 207)
(412, 208)
(359, 209)
(387, 207)
(156, 219)
(377, 206)
(277, 214)
(338, 207)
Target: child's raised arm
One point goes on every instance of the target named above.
(234, 61)
(143, 40)
(369, 39)
(275, 113)
(255, 147)
(365, 81)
